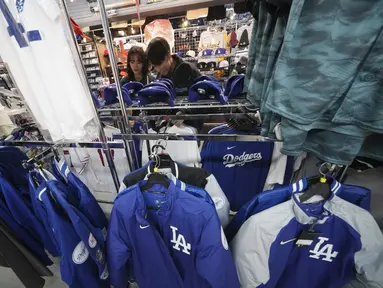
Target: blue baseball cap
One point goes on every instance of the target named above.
(165, 81)
(110, 95)
(205, 90)
(130, 92)
(205, 78)
(180, 53)
(220, 51)
(234, 86)
(208, 52)
(155, 93)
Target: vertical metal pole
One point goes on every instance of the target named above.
(80, 64)
(129, 146)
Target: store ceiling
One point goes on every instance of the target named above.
(80, 10)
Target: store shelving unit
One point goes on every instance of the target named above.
(92, 65)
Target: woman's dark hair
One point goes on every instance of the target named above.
(135, 50)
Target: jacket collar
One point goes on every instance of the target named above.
(316, 210)
(166, 208)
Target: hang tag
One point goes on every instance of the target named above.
(306, 238)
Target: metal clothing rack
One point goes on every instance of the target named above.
(216, 110)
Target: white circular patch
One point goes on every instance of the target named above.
(218, 203)
(105, 273)
(224, 241)
(80, 253)
(92, 241)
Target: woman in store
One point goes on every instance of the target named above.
(138, 67)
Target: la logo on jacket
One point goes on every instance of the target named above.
(179, 240)
(325, 250)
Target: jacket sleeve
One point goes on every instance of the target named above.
(118, 252)
(221, 203)
(214, 261)
(369, 259)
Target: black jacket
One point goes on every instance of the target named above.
(182, 76)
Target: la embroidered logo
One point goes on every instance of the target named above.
(179, 241)
(325, 250)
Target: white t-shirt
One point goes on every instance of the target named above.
(211, 40)
(185, 152)
(45, 70)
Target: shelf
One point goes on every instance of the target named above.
(89, 57)
(159, 8)
(87, 51)
(92, 71)
(88, 43)
(182, 103)
(90, 64)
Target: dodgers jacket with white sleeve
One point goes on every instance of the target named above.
(348, 243)
(357, 195)
(180, 245)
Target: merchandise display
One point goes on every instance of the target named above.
(216, 154)
(320, 101)
(324, 238)
(59, 104)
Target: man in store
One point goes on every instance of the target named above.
(171, 66)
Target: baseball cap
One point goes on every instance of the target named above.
(205, 90)
(190, 53)
(205, 78)
(180, 53)
(156, 92)
(220, 51)
(201, 65)
(234, 86)
(130, 92)
(208, 52)
(110, 95)
(211, 65)
(223, 64)
(167, 82)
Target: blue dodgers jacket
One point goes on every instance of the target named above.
(22, 235)
(81, 245)
(180, 245)
(318, 243)
(78, 195)
(356, 195)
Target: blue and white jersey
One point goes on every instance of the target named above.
(184, 241)
(241, 168)
(357, 195)
(348, 243)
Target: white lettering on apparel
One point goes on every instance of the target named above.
(179, 240)
(230, 160)
(326, 250)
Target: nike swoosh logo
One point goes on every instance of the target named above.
(229, 148)
(288, 241)
(143, 227)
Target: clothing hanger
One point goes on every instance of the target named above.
(155, 177)
(319, 185)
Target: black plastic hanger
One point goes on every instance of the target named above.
(156, 178)
(318, 185)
